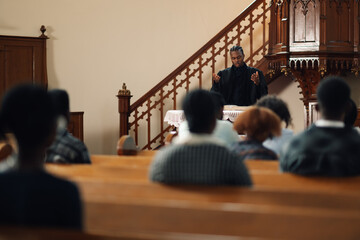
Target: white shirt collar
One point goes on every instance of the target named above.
(196, 139)
(329, 123)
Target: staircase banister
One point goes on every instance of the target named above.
(193, 58)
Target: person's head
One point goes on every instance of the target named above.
(276, 105)
(258, 123)
(199, 110)
(219, 102)
(27, 112)
(333, 95)
(60, 99)
(351, 114)
(237, 56)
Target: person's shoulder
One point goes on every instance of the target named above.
(224, 124)
(73, 140)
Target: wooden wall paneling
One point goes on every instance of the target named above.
(76, 125)
(23, 60)
(357, 122)
(304, 25)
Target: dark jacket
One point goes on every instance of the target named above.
(323, 151)
(226, 86)
(36, 198)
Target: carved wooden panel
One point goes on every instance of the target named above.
(304, 25)
(76, 125)
(340, 27)
(22, 60)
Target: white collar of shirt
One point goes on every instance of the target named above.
(329, 123)
(197, 139)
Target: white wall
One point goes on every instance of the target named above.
(287, 89)
(96, 45)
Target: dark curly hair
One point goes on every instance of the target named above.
(278, 106)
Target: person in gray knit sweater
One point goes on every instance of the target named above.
(199, 158)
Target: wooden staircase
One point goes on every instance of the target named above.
(144, 118)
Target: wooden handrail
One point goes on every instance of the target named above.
(163, 96)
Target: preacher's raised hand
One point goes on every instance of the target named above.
(215, 77)
(255, 78)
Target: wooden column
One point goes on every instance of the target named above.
(124, 97)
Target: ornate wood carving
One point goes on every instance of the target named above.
(124, 96)
(304, 4)
(325, 42)
(339, 5)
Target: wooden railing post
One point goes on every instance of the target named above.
(124, 97)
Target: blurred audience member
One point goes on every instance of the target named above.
(66, 148)
(199, 158)
(224, 129)
(279, 107)
(29, 195)
(327, 147)
(258, 124)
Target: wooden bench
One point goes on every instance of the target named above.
(145, 158)
(113, 160)
(346, 201)
(262, 178)
(111, 216)
(119, 198)
(35, 233)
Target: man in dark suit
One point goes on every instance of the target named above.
(240, 84)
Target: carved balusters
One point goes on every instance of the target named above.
(194, 69)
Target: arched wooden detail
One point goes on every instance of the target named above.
(323, 40)
(250, 30)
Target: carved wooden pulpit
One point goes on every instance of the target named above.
(310, 39)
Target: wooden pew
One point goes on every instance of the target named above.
(113, 160)
(290, 189)
(114, 171)
(121, 199)
(145, 160)
(224, 194)
(24, 233)
(36, 233)
(109, 216)
(147, 152)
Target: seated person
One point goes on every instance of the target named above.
(224, 129)
(326, 148)
(199, 158)
(29, 195)
(279, 107)
(66, 148)
(258, 124)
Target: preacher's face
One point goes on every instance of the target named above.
(237, 58)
